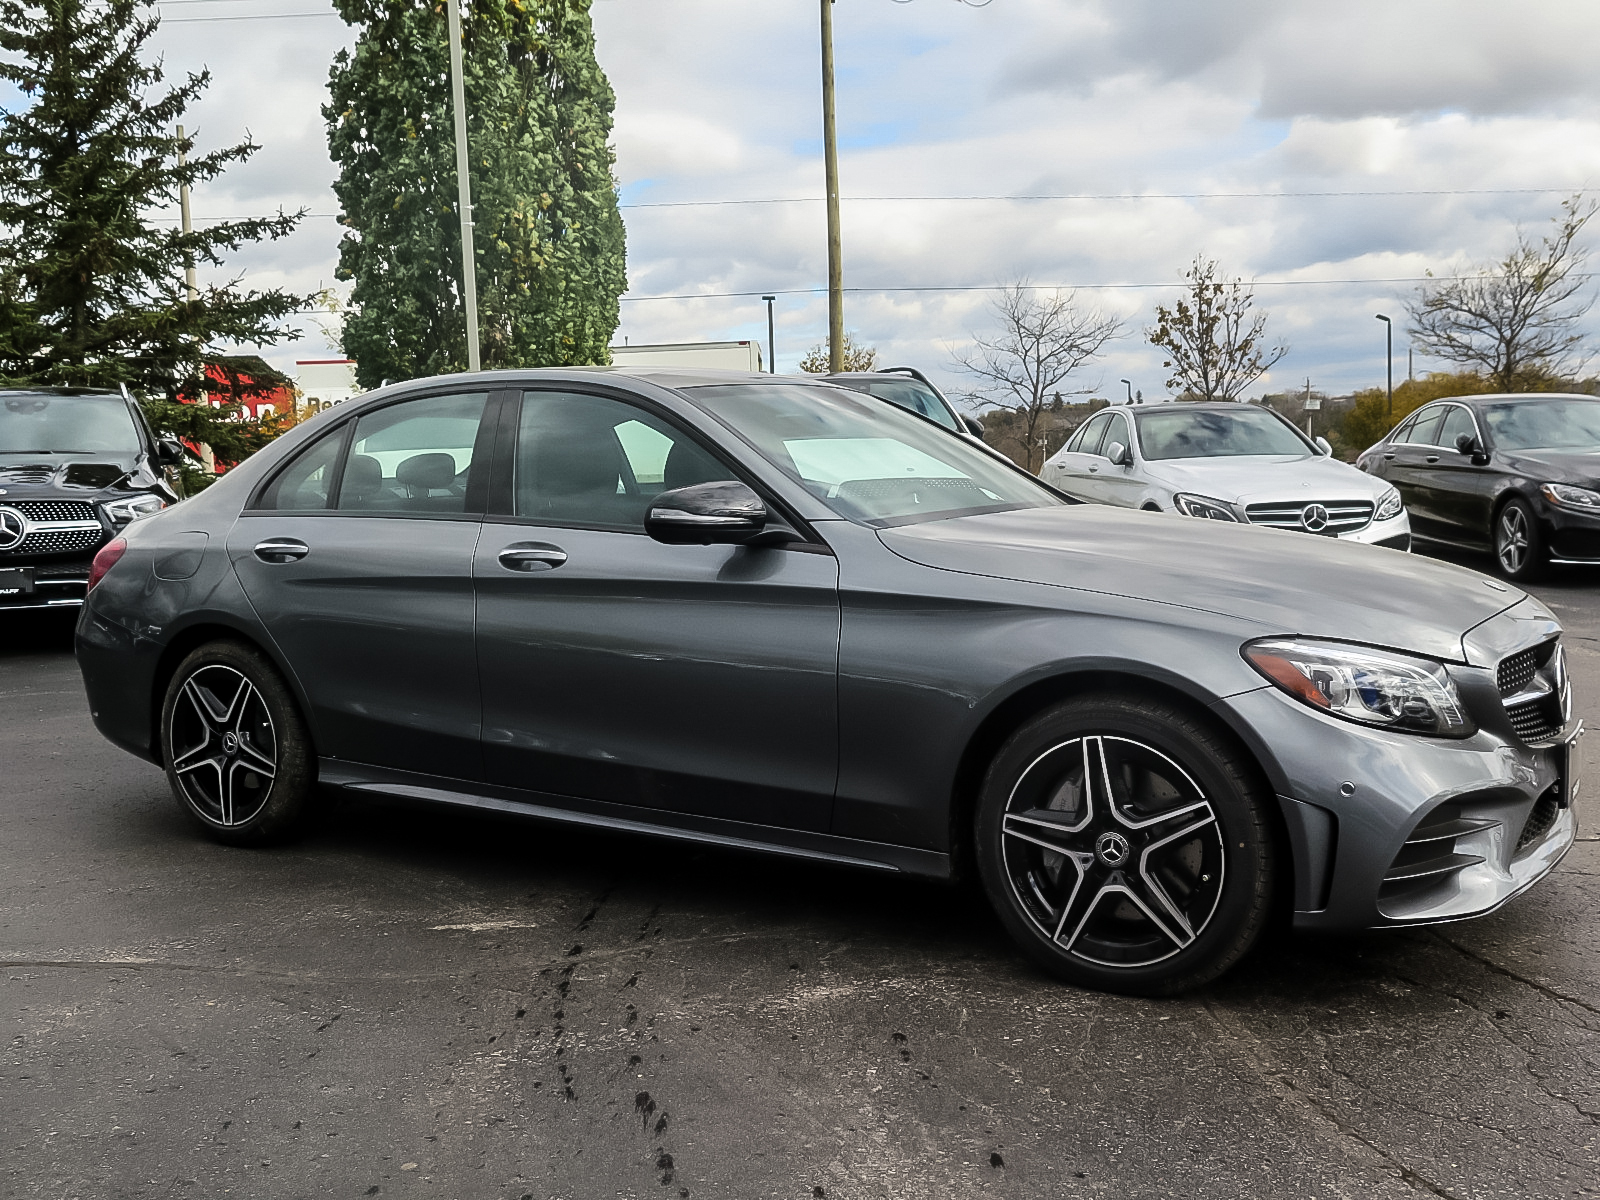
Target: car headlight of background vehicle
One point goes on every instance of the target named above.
(1203, 506)
(133, 508)
(1389, 506)
(1568, 496)
(1371, 687)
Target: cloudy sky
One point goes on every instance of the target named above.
(1333, 153)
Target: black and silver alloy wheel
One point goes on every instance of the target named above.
(1113, 851)
(1518, 541)
(1125, 845)
(235, 749)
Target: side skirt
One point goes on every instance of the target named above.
(624, 818)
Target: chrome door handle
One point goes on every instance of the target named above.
(1433, 458)
(1390, 454)
(532, 556)
(281, 550)
(1093, 470)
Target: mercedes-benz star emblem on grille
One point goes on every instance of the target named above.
(13, 528)
(1314, 518)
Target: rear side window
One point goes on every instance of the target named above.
(1426, 431)
(1093, 433)
(413, 457)
(307, 481)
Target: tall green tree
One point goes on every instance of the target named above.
(549, 239)
(92, 289)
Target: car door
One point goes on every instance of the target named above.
(696, 679)
(1119, 484)
(1461, 490)
(357, 557)
(1404, 462)
(1076, 468)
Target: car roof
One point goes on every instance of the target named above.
(683, 377)
(60, 391)
(1516, 397)
(1194, 406)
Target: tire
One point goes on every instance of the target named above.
(1519, 543)
(1155, 896)
(238, 758)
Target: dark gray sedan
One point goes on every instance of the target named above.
(779, 615)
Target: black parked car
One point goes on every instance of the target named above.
(780, 615)
(1518, 475)
(76, 466)
(913, 391)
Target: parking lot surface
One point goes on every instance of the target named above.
(426, 1003)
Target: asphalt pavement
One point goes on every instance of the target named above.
(424, 1003)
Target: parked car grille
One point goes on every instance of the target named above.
(1327, 517)
(54, 510)
(1543, 815)
(1534, 689)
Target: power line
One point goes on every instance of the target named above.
(255, 17)
(1110, 196)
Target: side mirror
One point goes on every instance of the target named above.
(1322, 444)
(169, 451)
(704, 514)
(974, 426)
(1467, 444)
(1119, 455)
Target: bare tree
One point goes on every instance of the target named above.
(1215, 348)
(1044, 337)
(1515, 320)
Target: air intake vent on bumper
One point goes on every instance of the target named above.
(1429, 856)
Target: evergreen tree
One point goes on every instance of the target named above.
(92, 292)
(549, 239)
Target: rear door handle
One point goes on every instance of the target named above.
(1433, 458)
(532, 556)
(281, 550)
(1390, 454)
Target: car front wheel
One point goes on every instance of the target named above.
(1519, 547)
(1126, 845)
(236, 751)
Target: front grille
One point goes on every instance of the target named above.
(1343, 516)
(1516, 672)
(1544, 814)
(54, 510)
(57, 541)
(1533, 720)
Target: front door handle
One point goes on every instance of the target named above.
(281, 550)
(1093, 470)
(1433, 458)
(532, 556)
(1390, 454)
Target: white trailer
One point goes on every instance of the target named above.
(727, 356)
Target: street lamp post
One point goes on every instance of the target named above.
(1129, 385)
(469, 268)
(772, 345)
(1388, 338)
(830, 155)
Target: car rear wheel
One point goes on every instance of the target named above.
(1519, 545)
(1126, 845)
(236, 751)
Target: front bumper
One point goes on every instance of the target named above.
(1369, 813)
(1572, 536)
(57, 581)
(1394, 533)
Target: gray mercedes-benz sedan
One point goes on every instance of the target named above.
(776, 614)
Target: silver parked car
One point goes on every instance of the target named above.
(1226, 462)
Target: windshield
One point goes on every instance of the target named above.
(1208, 433)
(1545, 425)
(40, 424)
(910, 394)
(868, 461)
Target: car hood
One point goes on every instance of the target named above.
(1555, 466)
(1253, 478)
(1287, 583)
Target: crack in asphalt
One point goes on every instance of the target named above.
(1542, 988)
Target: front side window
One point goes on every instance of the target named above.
(1181, 432)
(1457, 421)
(39, 423)
(1545, 425)
(591, 460)
(413, 457)
(913, 395)
(867, 461)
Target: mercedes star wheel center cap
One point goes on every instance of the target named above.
(13, 528)
(1112, 849)
(1314, 518)
(230, 743)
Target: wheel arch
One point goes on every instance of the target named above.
(1032, 697)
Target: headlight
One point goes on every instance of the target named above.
(1389, 506)
(1372, 687)
(1203, 506)
(1568, 496)
(134, 508)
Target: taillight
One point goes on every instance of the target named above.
(105, 560)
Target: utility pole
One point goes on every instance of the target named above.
(1388, 335)
(830, 154)
(469, 263)
(1410, 378)
(772, 344)
(188, 225)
